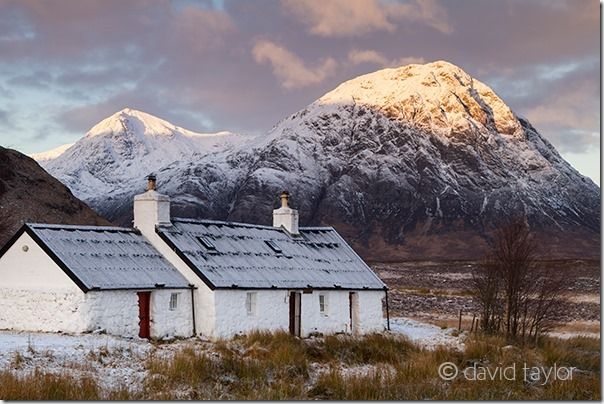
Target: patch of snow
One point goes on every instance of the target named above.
(573, 334)
(426, 335)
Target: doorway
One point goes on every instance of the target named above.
(353, 306)
(144, 300)
(295, 313)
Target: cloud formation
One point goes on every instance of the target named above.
(342, 18)
(243, 66)
(289, 68)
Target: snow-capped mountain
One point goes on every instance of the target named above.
(107, 164)
(409, 163)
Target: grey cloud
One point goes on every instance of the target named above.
(38, 79)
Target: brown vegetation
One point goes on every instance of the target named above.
(279, 366)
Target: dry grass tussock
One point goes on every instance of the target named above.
(278, 366)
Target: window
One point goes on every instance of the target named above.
(323, 304)
(250, 303)
(207, 244)
(273, 246)
(173, 301)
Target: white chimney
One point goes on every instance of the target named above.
(151, 208)
(285, 216)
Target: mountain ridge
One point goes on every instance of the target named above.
(29, 194)
(420, 161)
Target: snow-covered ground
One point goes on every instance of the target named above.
(111, 360)
(115, 361)
(427, 335)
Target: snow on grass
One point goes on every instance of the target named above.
(427, 335)
(115, 361)
(111, 360)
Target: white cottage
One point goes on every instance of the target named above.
(76, 279)
(183, 277)
(283, 277)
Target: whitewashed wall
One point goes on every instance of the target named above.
(116, 312)
(336, 318)
(35, 294)
(371, 315)
(272, 312)
(166, 322)
(33, 310)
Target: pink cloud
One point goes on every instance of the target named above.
(291, 71)
(342, 18)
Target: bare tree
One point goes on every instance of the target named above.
(514, 254)
(514, 296)
(545, 302)
(486, 284)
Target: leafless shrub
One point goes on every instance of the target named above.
(515, 297)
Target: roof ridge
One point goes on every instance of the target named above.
(80, 227)
(241, 224)
(224, 223)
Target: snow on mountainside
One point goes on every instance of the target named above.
(50, 154)
(420, 161)
(120, 150)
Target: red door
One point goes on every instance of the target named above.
(144, 299)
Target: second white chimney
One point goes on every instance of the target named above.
(285, 216)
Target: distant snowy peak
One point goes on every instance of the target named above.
(50, 154)
(131, 135)
(127, 146)
(438, 96)
(132, 122)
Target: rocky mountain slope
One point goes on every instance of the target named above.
(416, 162)
(29, 194)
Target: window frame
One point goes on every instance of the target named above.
(274, 247)
(324, 305)
(173, 305)
(251, 299)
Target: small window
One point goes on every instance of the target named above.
(273, 246)
(250, 303)
(207, 244)
(323, 304)
(173, 301)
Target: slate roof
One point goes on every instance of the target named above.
(237, 255)
(104, 258)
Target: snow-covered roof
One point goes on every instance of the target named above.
(102, 257)
(237, 255)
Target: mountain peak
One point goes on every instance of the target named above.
(133, 122)
(439, 96)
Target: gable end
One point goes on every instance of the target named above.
(26, 229)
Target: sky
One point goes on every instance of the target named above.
(245, 65)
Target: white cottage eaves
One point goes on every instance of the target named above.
(103, 257)
(238, 255)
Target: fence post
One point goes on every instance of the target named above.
(459, 328)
